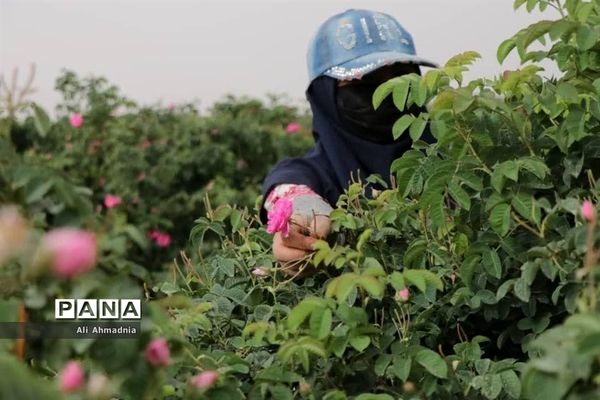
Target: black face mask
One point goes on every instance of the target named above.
(354, 103)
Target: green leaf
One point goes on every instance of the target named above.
(522, 290)
(417, 128)
(383, 91)
(397, 280)
(40, 120)
(419, 92)
(432, 362)
(372, 285)
(138, 237)
(401, 93)
(360, 343)
(417, 278)
(344, 286)
(500, 219)
(511, 384)
(568, 92)
(459, 195)
(462, 59)
(312, 346)
(401, 367)
(491, 263)
(461, 102)
(320, 323)
(373, 267)
(382, 363)
(369, 396)
(39, 191)
(518, 3)
(587, 37)
(527, 207)
(402, 124)
(467, 269)
(492, 386)
(299, 313)
(504, 49)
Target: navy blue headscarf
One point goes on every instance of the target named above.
(338, 154)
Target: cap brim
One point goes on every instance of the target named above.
(356, 68)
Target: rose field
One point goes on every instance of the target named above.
(472, 276)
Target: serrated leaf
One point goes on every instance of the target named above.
(299, 313)
(372, 285)
(416, 278)
(402, 124)
(39, 191)
(346, 284)
(527, 207)
(459, 195)
(382, 92)
(522, 290)
(500, 219)
(492, 264)
(416, 128)
(400, 94)
(320, 322)
(504, 49)
(432, 362)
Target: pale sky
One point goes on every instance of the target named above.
(186, 50)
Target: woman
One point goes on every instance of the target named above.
(349, 57)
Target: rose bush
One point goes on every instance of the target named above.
(473, 276)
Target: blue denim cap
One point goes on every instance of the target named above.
(356, 42)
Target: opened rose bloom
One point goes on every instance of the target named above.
(111, 201)
(163, 240)
(76, 120)
(279, 216)
(70, 251)
(293, 127)
(72, 377)
(157, 353)
(205, 379)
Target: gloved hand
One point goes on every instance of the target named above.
(309, 222)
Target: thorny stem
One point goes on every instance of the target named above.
(525, 225)
(473, 151)
(591, 259)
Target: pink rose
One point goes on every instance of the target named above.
(71, 377)
(278, 217)
(111, 201)
(71, 251)
(171, 106)
(293, 127)
(205, 379)
(157, 353)
(76, 120)
(588, 211)
(161, 239)
(402, 295)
